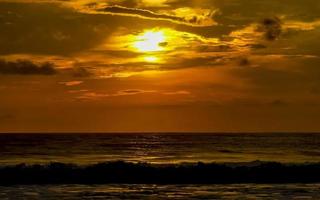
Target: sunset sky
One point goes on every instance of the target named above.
(159, 65)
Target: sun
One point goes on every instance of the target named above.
(150, 41)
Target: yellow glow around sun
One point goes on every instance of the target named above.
(150, 41)
(151, 58)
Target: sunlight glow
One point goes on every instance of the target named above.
(151, 58)
(151, 41)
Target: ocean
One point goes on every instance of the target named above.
(160, 149)
(162, 192)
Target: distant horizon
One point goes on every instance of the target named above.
(164, 132)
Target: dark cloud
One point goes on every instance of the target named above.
(271, 27)
(25, 67)
(241, 12)
(49, 29)
(244, 61)
(171, 64)
(131, 91)
(270, 79)
(257, 46)
(81, 72)
(306, 42)
(121, 53)
(208, 61)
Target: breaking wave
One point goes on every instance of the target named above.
(185, 173)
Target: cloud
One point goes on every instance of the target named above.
(132, 92)
(77, 91)
(147, 14)
(90, 95)
(281, 78)
(81, 72)
(179, 92)
(244, 61)
(128, 92)
(199, 61)
(71, 83)
(271, 27)
(25, 67)
(173, 63)
(49, 29)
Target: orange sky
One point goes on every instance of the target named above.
(160, 65)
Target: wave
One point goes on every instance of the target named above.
(138, 173)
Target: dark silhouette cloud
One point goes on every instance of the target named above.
(209, 61)
(271, 27)
(257, 46)
(81, 72)
(25, 67)
(244, 61)
(241, 12)
(132, 91)
(44, 28)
